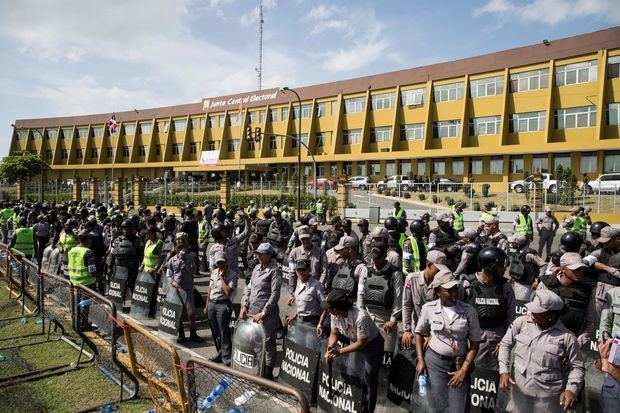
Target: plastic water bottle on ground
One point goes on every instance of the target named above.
(422, 382)
(85, 303)
(239, 409)
(159, 374)
(23, 321)
(210, 400)
(2, 358)
(243, 399)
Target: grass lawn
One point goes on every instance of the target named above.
(74, 390)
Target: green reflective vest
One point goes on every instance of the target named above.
(151, 259)
(415, 256)
(580, 224)
(319, 207)
(201, 229)
(24, 242)
(401, 241)
(79, 273)
(398, 215)
(457, 223)
(68, 242)
(5, 215)
(525, 225)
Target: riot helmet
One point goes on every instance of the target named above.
(492, 257)
(571, 241)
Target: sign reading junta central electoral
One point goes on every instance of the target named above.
(236, 100)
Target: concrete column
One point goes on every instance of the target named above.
(93, 189)
(20, 190)
(76, 191)
(343, 195)
(138, 192)
(117, 191)
(224, 190)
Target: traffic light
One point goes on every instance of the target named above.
(257, 134)
(248, 133)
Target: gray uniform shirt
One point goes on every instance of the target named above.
(466, 256)
(603, 288)
(232, 249)
(216, 293)
(316, 256)
(356, 325)
(449, 336)
(610, 315)
(548, 224)
(334, 262)
(397, 282)
(183, 270)
(308, 297)
(263, 290)
(538, 358)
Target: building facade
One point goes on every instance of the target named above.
(491, 117)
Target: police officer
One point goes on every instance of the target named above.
(414, 248)
(347, 227)
(278, 235)
(356, 326)
(418, 290)
(82, 271)
(391, 225)
(547, 373)
(457, 217)
(547, 225)
(491, 236)
(294, 240)
(610, 328)
(348, 276)
(182, 267)
(320, 210)
(380, 290)
(595, 234)
(364, 240)
(334, 233)
(525, 267)
(152, 260)
(231, 245)
(126, 251)
(315, 256)
(398, 212)
(468, 254)
(580, 317)
(5, 216)
(380, 234)
(454, 340)
(523, 224)
(608, 276)
(42, 233)
(578, 221)
(218, 306)
(308, 298)
(260, 301)
(494, 300)
(443, 237)
(569, 242)
(24, 239)
(317, 234)
(489, 211)
(203, 238)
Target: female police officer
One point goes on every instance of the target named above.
(548, 369)
(356, 325)
(455, 338)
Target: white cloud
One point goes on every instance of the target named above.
(326, 25)
(251, 17)
(553, 12)
(321, 12)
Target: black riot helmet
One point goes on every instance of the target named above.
(305, 219)
(402, 225)
(490, 258)
(417, 227)
(391, 224)
(127, 224)
(571, 241)
(596, 227)
(230, 214)
(525, 209)
(217, 232)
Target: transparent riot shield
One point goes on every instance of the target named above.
(249, 347)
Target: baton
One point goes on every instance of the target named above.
(329, 378)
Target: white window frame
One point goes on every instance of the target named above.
(447, 129)
(413, 97)
(352, 137)
(82, 132)
(129, 128)
(496, 166)
(382, 101)
(79, 153)
(412, 132)
(234, 145)
(439, 166)
(576, 73)
(193, 148)
(522, 122)
(613, 67)
(177, 148)
(142, 150)
(488, 125)
(404, 167)
(615, 163)
(98, 131)
(561, 159)
(52, 133)
(22, 135)
(475, 166)
(613, 114)
(448, 93)
(517, 165)
(458, 166)
(390, 168)
(126, 151)
(540, 164)
(67, 133)
(320, 138)
(323, 109)
(489, 86)
(273, 115)
(354, 105)
(575, 118)
(591, 161)
(381, 134)
(530, 80)
(374, 168)
(421, 168)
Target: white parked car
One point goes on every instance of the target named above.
(359, 182)
(607, 183)
(396, 181)
(549, 184)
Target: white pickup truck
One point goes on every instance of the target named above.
(395, 181)
(549, 184)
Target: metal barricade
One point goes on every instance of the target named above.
(97, 321)
(156, 363)
(241, 390)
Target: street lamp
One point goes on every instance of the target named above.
(284, 90)
(40, 157)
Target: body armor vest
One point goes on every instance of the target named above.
(489, 301)
(472, 265)
(521, 271)
(576, 299)
(125, 252)
(345, 278)
(487, 241)
(604, 276)
(444, 239)
(262, 227)
(379, 289)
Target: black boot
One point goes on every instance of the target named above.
(194, 337)
(181, 339)
(268, 373)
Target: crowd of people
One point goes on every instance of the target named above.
(450, 290)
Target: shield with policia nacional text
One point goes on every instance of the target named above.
(144, 296)
(171, 313)
(117, 287)
(300, 362)
(402, 376)
(339, 389)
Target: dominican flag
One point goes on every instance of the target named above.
(112, 124)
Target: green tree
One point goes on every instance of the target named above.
(22, 166)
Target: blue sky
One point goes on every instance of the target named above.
(69, 57)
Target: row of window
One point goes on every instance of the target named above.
(588, 164)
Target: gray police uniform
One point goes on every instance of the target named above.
(547, 226)
(539, 370)
(318, 264)
(219, 310)
(261, 295)
(610, 324)
(183, 270)
(358, 325)
(450, 338)
(602, 288)
(232, 249)
(334, 262)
